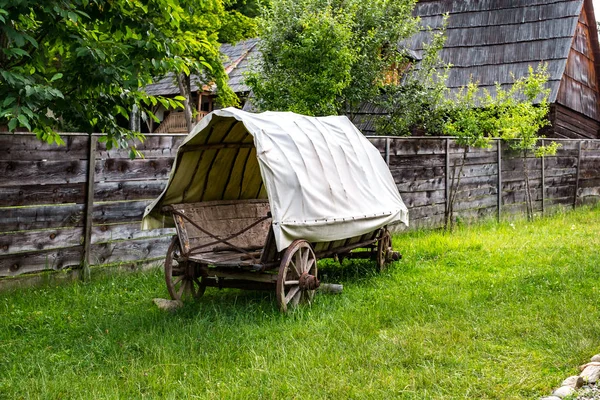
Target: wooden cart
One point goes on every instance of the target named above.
(230, 244)
(257, 198)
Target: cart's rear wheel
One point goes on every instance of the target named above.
(297, 278)
(182, 277)
(384, 247)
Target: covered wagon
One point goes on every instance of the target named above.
(256, 199)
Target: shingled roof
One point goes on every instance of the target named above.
(236, 59)
(496, 41)
(491, 41)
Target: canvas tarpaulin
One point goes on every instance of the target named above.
(324, 180)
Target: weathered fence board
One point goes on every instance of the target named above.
(42, 192)
(16, 242)
(108, 233)
(42, 172)
(18, 147)
(42, 217)
(130, 250)
(27, 195)
(21, 263)
(119, 169)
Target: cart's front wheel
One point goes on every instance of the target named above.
(182, 276)
(297, 278)
(384, 247)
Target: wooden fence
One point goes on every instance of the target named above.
(61, 206)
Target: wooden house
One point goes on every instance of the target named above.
(236, 59)
(491, 41)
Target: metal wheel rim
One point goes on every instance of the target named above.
(298, 258)
(182, 281)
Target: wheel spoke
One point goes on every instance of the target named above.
(293, 291)
(305, 260)
(180, 291)
(310, 263)
(178, 280)
(296, 298)
(290, 283)
(298, 272)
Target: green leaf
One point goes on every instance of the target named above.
(24, 121)
(56, 77)
(8, 101)
(12, 124)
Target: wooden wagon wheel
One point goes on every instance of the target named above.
(297, 278)
(384, 246)
(182, 277)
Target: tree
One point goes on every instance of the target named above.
(321, 57)
(515, 115)
(81, 65)
(417, 101)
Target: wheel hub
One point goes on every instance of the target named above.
(308, 282)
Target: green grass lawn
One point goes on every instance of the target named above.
(491, 311)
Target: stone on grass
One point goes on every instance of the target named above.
(168, 305)
(574, 381)
(551, 398)
(593, 363)
(563, 391)
(596, 358)
(591, 373)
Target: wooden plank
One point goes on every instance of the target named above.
(520, 196)
(478, 170)
(121, 169)
(543, 173)
(116, 212)
(155, 146)
(422, 185)
(576, 192)
(499, 181)
(25, 147)
(447, 186)
(129, 190)
(16, 242)
(426, 211)
(89, 206)
(412, 147)
(418, 199)
(412, 161)
(414, 174)
(56, 259)
(482, 202)
(129, 250)
(107, 233)
(20, 172)
(475, 158)
(41, 217)
(27, 195)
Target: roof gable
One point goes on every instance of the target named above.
(495, 41)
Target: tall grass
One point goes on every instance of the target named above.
(502, 311)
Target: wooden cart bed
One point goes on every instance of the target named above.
(224, 233)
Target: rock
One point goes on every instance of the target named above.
(563, 391)
(551, 398)
(574, 381)
(594, 363)
(596, 358)
(168, 305)
(591, 373)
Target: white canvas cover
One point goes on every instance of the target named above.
(324, 180)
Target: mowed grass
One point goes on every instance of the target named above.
(488, 312)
